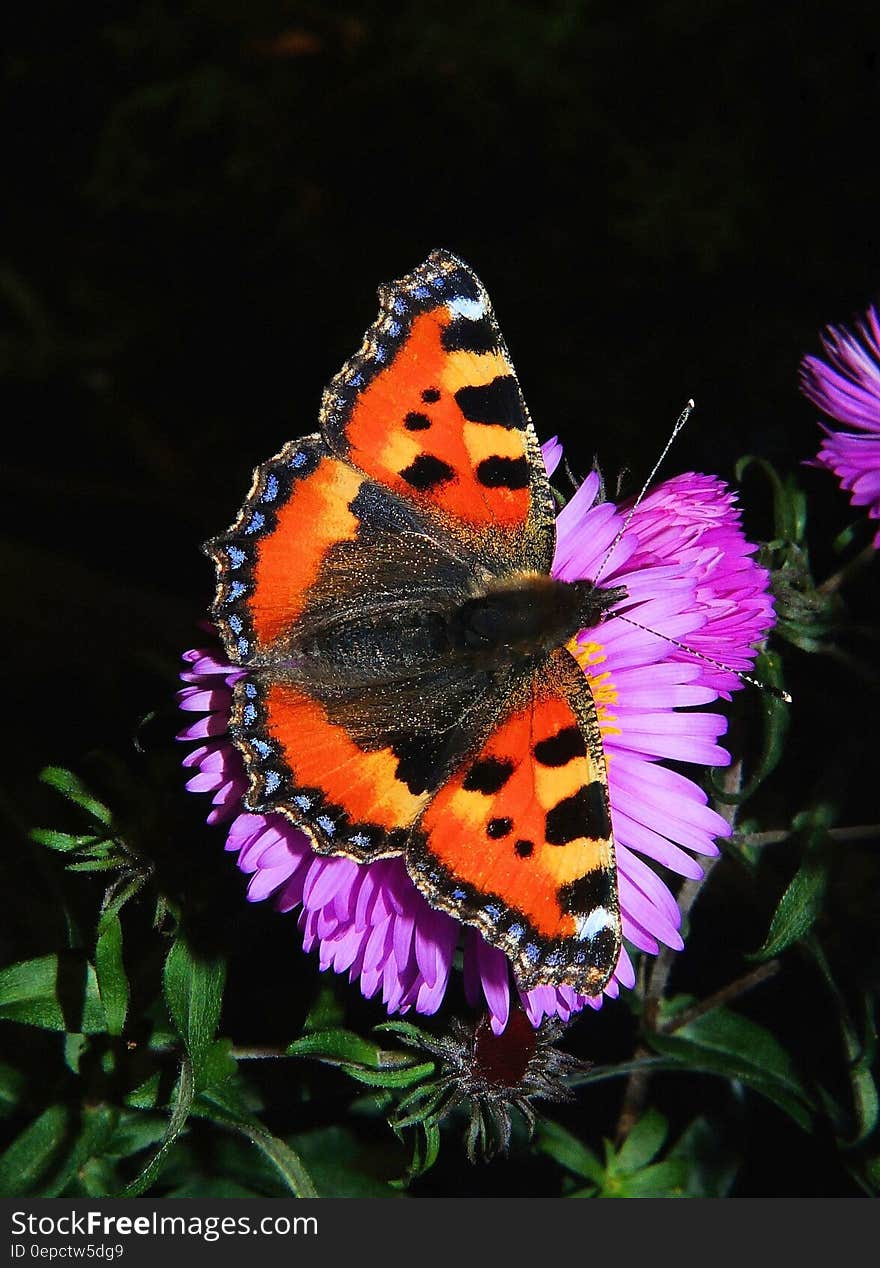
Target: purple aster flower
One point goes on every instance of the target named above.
(846, 386)
(690, 576)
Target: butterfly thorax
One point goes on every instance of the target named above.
(527, 615)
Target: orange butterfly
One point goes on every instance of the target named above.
(410, 689)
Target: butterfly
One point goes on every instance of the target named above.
(410, 686)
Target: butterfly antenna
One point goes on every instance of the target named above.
(679, 424)
(776, 692)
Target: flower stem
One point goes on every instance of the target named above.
(833, 583)
(858, 832)
(636, 1091)
(724, 996)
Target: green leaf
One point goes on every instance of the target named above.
(95, 1127)
(73, 788)
(662, 1180)
(711, 1162)
(135, 1132)
(193, 987)
(801, 903)
(55, 992)
(344, 1166)
(32, 1153)
(64, 841)
(644, 1142)
(727, 1044)
(12, 1084)
(571, 1153)
(362, 1060)
(183, 1102)
(110, 971)
(222, 1106)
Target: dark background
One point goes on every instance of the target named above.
(199, 201)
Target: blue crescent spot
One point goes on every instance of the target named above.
(249, 714)
(516, 931)
(243, 647)
(532, 952)
(359, 840)
(270, 492)
(461, 306)
(273, 779)
(304, 803)
(235, 624)
(493, 910)
(356, 380)
(393, 329)
(421, 292)
(399, 306)
(379, 354)
(298, 460)
(262, 747)
(258, 519)
(236, 556)
(236, 590)
(250, 690)
(438, 281)
(459, 895)
(325, 822)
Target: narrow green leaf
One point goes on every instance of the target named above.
(661, 1180)
(727, 1044)
(712, 1161)
(193, 987)
(72, 787)
(362, 1060)
(55, 992)
(32, 1152)
(644, 1142)
(95, 1128)
(565, 1148)
(64, 841)
(223, 1107)
(183, 1101)
(135, 1132)
(801, 903)
(12, 1084)
(110, 971)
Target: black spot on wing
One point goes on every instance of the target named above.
(595, 889)
(524, 848)
(419, 758)
(488, 775)
(496, 403)
(427, 472)
(415, 421)
(504, 473)
(465, 335)
(430, 395)
(559, 749)
(497, 828)
(584, 814)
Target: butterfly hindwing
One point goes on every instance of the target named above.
(431, 408)
(519, 841)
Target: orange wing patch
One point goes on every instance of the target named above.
(519, 842)
(303, 765)
(298, 507)
(431, 408)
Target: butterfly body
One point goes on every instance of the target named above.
(387, 586)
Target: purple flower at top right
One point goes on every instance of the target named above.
(846, 386)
